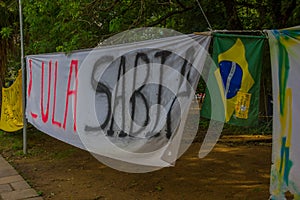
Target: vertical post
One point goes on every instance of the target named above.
(23, 80)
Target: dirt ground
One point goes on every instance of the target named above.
(237, 168)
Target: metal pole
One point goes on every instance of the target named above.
(23, 80)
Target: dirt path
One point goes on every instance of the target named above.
(237, 168)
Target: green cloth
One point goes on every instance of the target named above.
(238, 60)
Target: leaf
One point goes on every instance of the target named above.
(6, 32)
(114, 25)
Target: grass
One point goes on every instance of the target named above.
(264, 127)
(11, 144)
(63, 154)
(10, 141)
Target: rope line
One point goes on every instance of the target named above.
(204, 15)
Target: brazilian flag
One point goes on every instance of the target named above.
(238, 60)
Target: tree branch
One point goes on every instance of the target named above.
(105, 9)
(181, 4)
(170, 14)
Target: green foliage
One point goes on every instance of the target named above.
(75, 24)
(114, 25)
(53, 25)
(9, 34)
(6, 32)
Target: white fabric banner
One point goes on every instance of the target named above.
(285, 59)
(127, 102)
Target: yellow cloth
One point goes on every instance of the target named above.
(11, 111)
